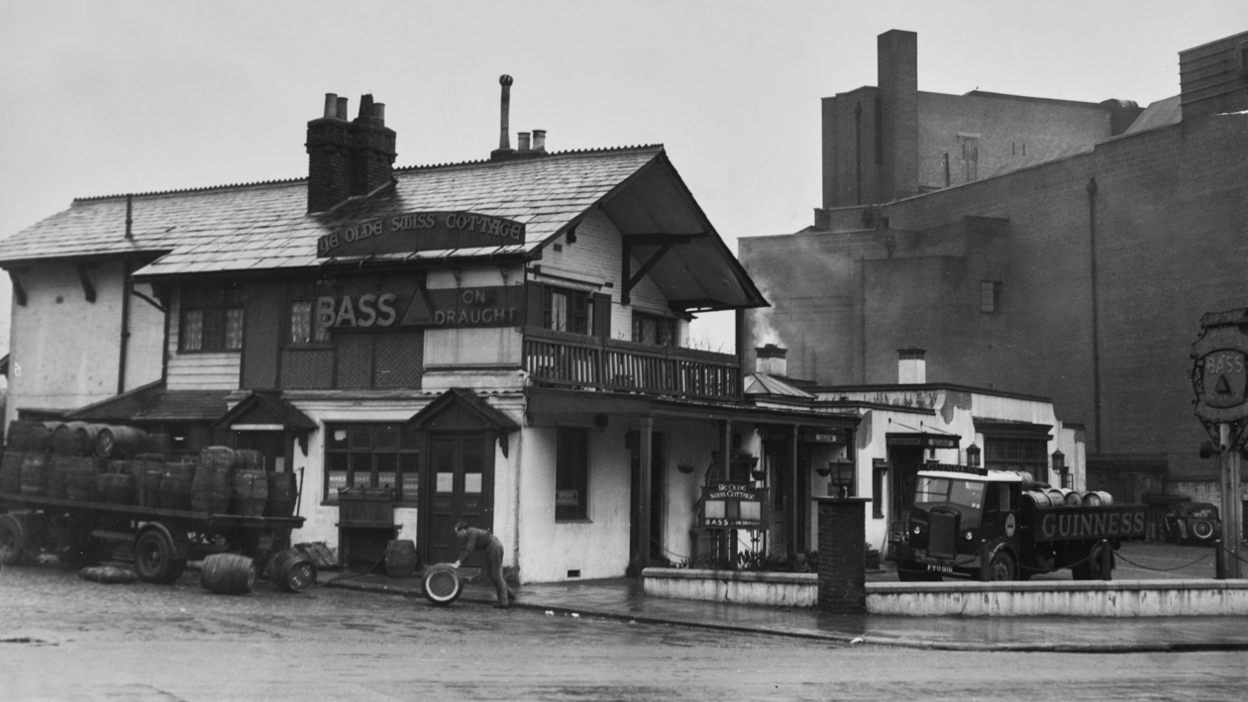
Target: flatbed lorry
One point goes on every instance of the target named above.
(1001, 525)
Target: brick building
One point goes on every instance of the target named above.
(1043, 246)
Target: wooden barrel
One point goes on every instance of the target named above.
(34, 478)
(1056, 498)
(228, 574)
(1098, 498)
(17, 437)
(213, 484)
(58, 476)
(80, 478)
(119, 442)
(25, 436)
(292, 570)
(63, 438)
(148, 470)
(283, 493)
(115, 488)
(401, 559)
(1038, 498)
(11, 471)
(175, 486)
(248, 459)
(1073, 497)
(251, 491)
(441, 584)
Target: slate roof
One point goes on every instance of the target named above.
(266, 226)
(153, 403)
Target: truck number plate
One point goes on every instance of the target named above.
(939, 568)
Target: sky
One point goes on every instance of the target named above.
(129, 96)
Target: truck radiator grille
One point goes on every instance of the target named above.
(942, 540)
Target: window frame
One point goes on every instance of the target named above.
(572, 472)
(665, 328)
(214, 316)
(578, 321)
(406, 451)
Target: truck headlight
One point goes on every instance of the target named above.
(917, 530)
(970, 535)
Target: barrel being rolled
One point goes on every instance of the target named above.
(213, 485)
(251, 491)
(228, 574)
(292, 570)
(175, 486)
(283, 492)
(34, 481)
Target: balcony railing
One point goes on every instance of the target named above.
(574, 360)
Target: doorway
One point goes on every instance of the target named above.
(459, 485)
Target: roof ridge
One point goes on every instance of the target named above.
(291, 181)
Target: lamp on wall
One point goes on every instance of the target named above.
(972, 455)
(1059, 467)
(842, 470)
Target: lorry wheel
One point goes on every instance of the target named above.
(154, 559)
(1091, 568)
(1202, 531)
(1001, 567)
(12, 541)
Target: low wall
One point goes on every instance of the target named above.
(775, 589)
(1092, 598)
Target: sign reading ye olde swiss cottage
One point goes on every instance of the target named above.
(400, 302)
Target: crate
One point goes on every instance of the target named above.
(365, 507)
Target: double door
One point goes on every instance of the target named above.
(459, 485)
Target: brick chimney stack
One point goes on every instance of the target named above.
(769, 359)
(911, 366)
(347, 158)
(898, 66)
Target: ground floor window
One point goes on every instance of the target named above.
(372, 456)
(1017, 454)
(572, 474)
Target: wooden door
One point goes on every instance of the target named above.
(459, 485)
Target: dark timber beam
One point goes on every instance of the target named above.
(88, 288)
(19, 292)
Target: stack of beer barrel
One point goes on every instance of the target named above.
(127, 466)
(1046, 497)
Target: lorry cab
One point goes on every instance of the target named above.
(961, 523)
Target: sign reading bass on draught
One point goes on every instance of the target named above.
(420, 231)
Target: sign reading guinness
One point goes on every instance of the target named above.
(420, 231)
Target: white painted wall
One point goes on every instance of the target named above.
(198, 371)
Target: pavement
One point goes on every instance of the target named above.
(623, 599)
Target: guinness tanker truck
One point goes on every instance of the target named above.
(1001, 525)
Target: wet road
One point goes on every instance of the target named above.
(65, 639)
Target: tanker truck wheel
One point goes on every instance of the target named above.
(1201, 532)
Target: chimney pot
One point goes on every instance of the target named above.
(342, 109)
(331, 105)
(523, 138)
(504, 138)
(539, 140)
(770, 359)
(379, 112)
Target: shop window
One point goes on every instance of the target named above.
(372, 455)
(653, 329)
(567, 310)
(989, 296)
(212, 318)
(1017, 454)
(572, 474)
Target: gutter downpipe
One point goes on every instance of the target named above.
(126, 284)
(1096, 346)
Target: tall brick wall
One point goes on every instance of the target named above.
(1171, 218)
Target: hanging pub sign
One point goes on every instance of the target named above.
(1220, 373)
(420, 231)
(923, 441)
(399, 305)
(733, 506)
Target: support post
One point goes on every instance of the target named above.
(842, 554)
(643, 489)
(1229, 461)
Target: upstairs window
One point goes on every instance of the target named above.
(989, 296)
(567, 310)
(654, 329)
(306, 326)
(212, 318)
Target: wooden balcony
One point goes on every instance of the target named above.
(575, 360)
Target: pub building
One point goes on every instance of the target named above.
(503, 341)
